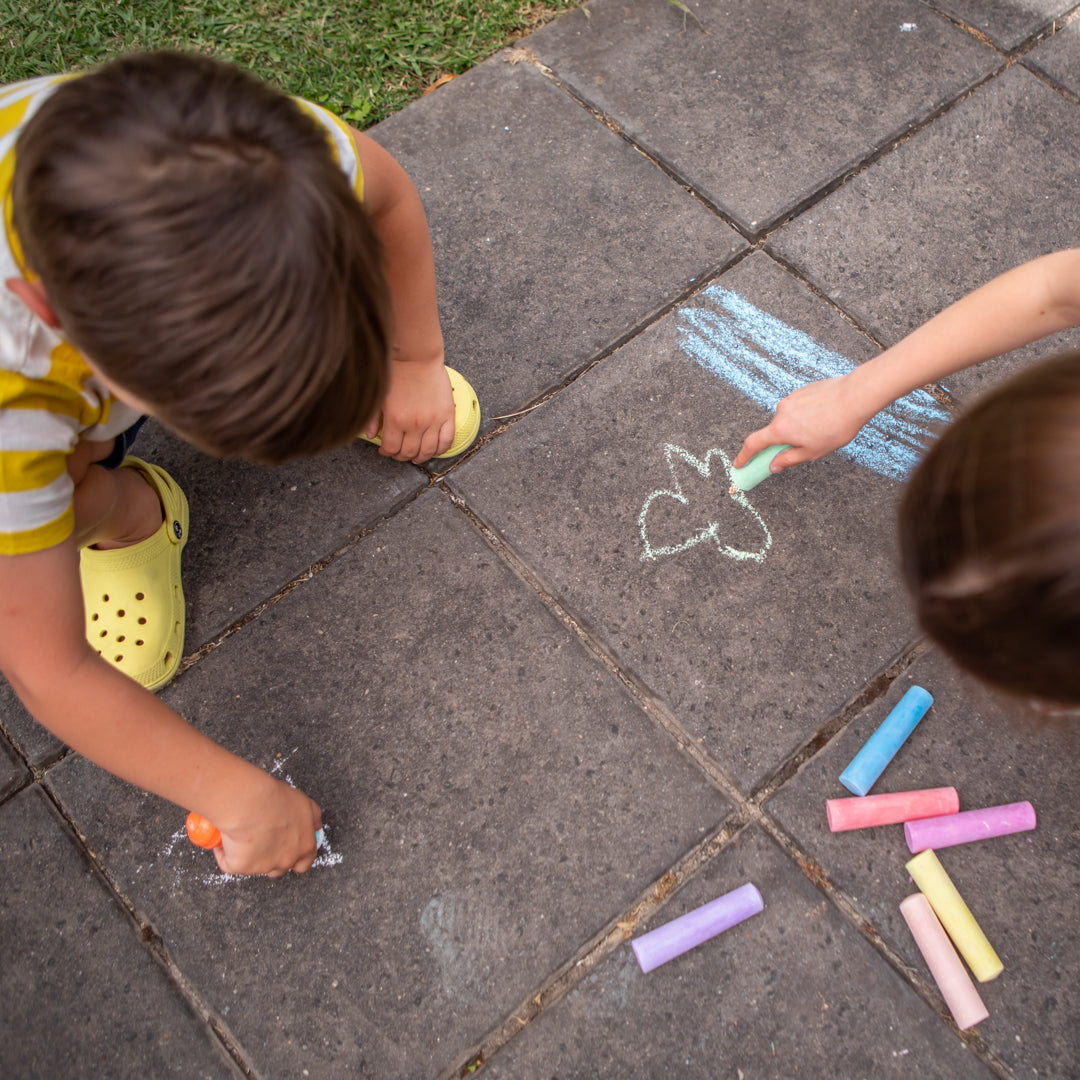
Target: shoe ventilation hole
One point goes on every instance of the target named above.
(142, 620)
(94, 617)
(140, 596)
(105, 598)
(138, 642)
(120, 638)
(118, 659)
(120, 614)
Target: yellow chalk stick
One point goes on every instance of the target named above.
(928, 873)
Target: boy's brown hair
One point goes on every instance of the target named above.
(203, 248)
(990, 535)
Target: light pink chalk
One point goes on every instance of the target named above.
(952, 980)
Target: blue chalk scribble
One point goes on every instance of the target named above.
(766, 360)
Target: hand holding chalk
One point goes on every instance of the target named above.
(205, 834)
(756, 469)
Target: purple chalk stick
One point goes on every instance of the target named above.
(950, 829)
(676, 937)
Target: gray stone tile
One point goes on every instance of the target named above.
(1006, 22)
(552, 236)
(13, 773)
(793, 991)
(764, 103)
(1022, 889)
(494, 796)
(79, 994)
(988, 186)
(751, 656)
(1059, 58)
(253, 529)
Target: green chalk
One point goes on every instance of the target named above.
(756, 469)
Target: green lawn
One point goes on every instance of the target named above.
(362, 59)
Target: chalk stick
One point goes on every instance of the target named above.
(757, 468)
(870, 762)
(892, 809)
(676, 937)
(928, 873)
(940, 832)
(952, 980)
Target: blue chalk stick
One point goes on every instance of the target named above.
(869, 763)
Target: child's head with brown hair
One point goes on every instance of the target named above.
(200, 244)
(990, 535)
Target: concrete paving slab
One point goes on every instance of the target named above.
(253, 529)
(1022, 889)
(552, 236)
(79, 994)
(750, 655)
(1007, 23)
(793, 991)
(1058, 58)
(992, 182)
(493, 794)
(758, 104)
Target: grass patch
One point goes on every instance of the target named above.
(362, 59)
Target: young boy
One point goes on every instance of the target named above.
(181, 241)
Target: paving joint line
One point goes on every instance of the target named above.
(849, 910)
(638, 692)
(526, 55)
(695, 287)
(588, 956)
(156, 947)
(204, 650)
(937, 391)
(872, 691)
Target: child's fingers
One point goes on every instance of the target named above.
(753, 444)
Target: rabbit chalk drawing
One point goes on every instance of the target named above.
(766, 360)
(705, 468)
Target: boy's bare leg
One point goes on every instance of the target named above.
(113, 507)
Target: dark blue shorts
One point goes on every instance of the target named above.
(122, 445)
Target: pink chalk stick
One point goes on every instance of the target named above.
(939, 832)
(952, 980)
(861, 813)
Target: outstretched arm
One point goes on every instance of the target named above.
(418, 414)
(267, 827)
(1022, 305)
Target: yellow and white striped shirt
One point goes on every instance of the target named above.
(49, 397)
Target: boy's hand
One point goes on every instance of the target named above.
(418, 413)
(274, 832)
(816, 419)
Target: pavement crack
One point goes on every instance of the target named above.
(593, 952)
(156, 947)
(848, 908)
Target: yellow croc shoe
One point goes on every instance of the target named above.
(466, 416)
(133, 596)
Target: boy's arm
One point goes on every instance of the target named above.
(418, 413)
(266, 826)
(1022, 305)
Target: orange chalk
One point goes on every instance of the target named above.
(202, 833)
